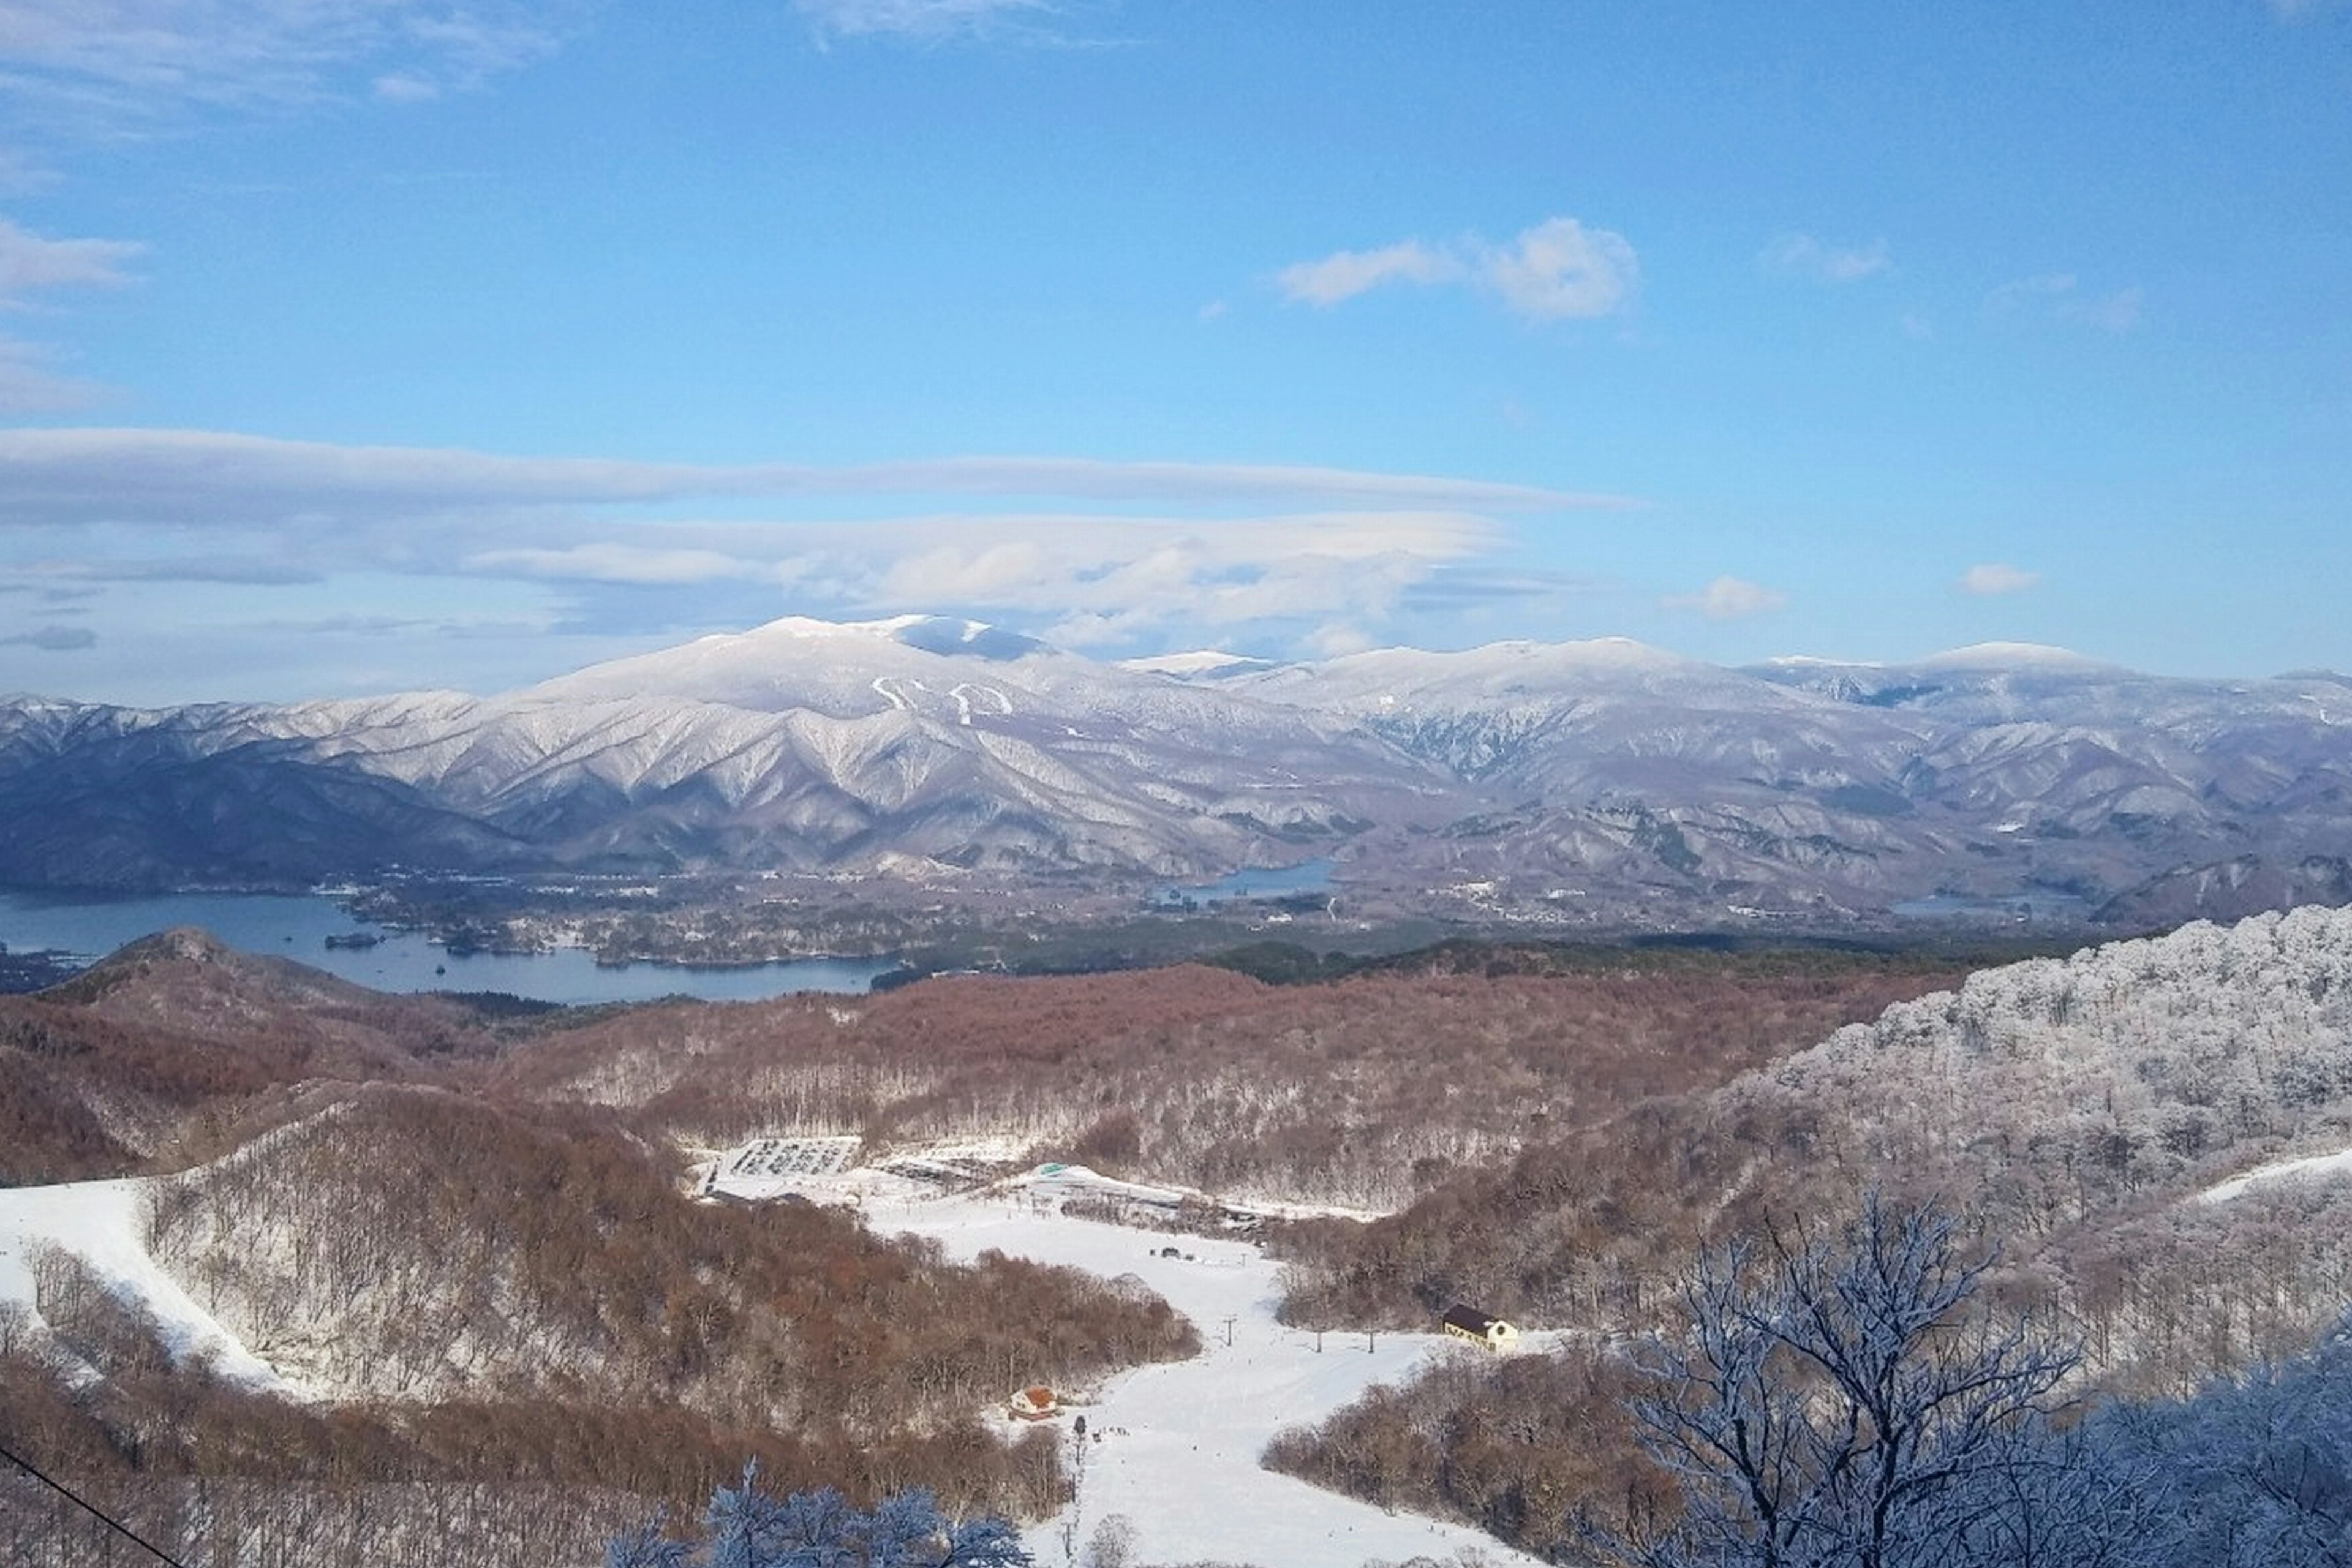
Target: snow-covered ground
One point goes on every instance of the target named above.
(1174, 1448)
(101, 1223)
(823, 1169)
(2313, 1166)
(1171, 1448)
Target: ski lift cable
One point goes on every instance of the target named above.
(92, 1510)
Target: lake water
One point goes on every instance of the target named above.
(1307, 876)
(2034, 906)
(296, 927)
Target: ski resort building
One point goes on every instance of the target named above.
(1036, 1402)
(1470, 1323)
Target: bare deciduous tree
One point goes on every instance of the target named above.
(1845, 1404)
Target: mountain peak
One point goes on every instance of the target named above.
(949, 634)
(1210, 662)
(2013, 656)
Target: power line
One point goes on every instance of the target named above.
(92, 1510)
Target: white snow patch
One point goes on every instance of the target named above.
(2011, 656)
(2320, 1165)
(102, 1224)
(1199, 662)
(1174, 1448)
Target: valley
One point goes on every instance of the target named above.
(468, 1247)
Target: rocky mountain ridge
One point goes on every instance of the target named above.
(1567, 782)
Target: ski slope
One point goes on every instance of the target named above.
(101, 1222)
(2320, 1166)
(1174, 1448)
(1171, 1448)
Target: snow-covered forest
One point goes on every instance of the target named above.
(446, 1254)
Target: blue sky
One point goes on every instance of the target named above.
(358, 345)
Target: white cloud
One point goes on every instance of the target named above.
(1729, 599)
(54, 639)
(1338, 639)
(1802, 255)
(1997, 577)
(1105, 580)
(110, 61)
(2059, 297)
(926, 20)
(403, 87)
(1347, 273)
(615, 563)
(1561, 270)
(30, 261)
(27, 385)
(2115, 312)
(50, 477)
(1080, 552)
(1557, 270)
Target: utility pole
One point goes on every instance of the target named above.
(1229, 1333)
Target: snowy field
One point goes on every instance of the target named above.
(1174, 1448)
(101, 1223)
(825, 1169)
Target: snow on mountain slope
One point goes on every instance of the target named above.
(2311, 1167)
(2165, 1057)
(1617, 769)
(1200, 663)
(1173, 1449)
(102, 1223)
(1588, 718)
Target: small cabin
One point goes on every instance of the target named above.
(1470, 1323)
(1036, 1402)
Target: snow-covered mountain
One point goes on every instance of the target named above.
(1606, 772)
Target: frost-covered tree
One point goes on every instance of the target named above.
(1845, 1405)
(745, 1527)
(2254, 1471)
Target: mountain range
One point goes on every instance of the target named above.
(1600, 780)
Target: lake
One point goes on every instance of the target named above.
(1283, 881)
(297, 927)
(2040, 905)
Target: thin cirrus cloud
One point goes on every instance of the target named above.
(1802, 255)
(926, 21)
(1996, 577)
(188, 477)
(54, 639)
(2060, 296)
(1558, 271)
(616, 563)
(32, 264)
(1110, 581)
(1084, 552)
(1729, 599)
(30, 261)
(1080, 580)
(97, 66)
(28, 384)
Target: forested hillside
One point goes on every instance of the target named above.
(1364, 1091)
(467, 1229)
(2060, 1100)
(2087, 1115)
